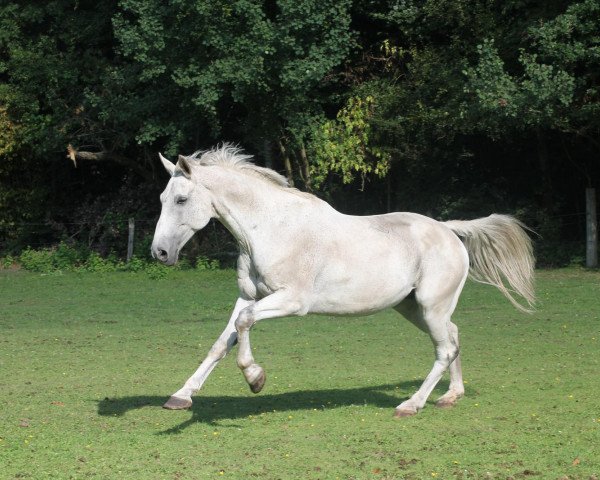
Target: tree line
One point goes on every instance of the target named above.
(451, 108)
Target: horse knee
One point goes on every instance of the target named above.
(447, 353)
(454, 353)
(245, 320)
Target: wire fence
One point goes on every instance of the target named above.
(559, 238)
(108, 237)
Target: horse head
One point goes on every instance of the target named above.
(186, 208)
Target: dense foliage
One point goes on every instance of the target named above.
(450, 108)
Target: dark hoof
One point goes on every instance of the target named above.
(259, 383)
(404, 412)
(175, 403)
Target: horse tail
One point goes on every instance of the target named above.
(499, 250)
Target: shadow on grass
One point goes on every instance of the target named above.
(210, 410)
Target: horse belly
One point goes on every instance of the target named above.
(366, 288)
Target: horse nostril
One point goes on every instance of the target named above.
(160, 254)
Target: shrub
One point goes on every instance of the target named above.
(95, 263)
(205, 263)
(64, 257)
(37, 260)
(136, 264)
(7, 262)
(157, 271)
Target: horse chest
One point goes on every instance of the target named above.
(251, 282)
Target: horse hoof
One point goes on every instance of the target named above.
(176, 403)
(404, 412)
(448, 400)
(258, 384)
(445, 403)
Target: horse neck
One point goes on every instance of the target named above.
(248, 206)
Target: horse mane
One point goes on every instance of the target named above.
(231, 156)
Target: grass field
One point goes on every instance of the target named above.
(86, 361)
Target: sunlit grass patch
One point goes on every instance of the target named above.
(87, 360)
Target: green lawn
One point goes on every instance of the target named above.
(86, 361)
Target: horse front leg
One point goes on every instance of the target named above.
(278, 304)
(182, 398)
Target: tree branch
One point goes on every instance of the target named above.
(107, 156)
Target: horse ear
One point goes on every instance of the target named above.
(169, 166)
(184, 166)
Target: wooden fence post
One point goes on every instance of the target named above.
(591, 257)
(130, 239)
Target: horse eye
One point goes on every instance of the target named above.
(180, 200)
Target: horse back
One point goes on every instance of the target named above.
(373, 262)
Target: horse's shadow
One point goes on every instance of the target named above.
(212, 409)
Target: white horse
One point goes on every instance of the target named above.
(298, 255)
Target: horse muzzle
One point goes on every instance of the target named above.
(162, 254)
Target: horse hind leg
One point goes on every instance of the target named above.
(434, 319)
(456, 390)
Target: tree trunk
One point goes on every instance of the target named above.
(305, 168)
(267, 153)
(287, 163)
